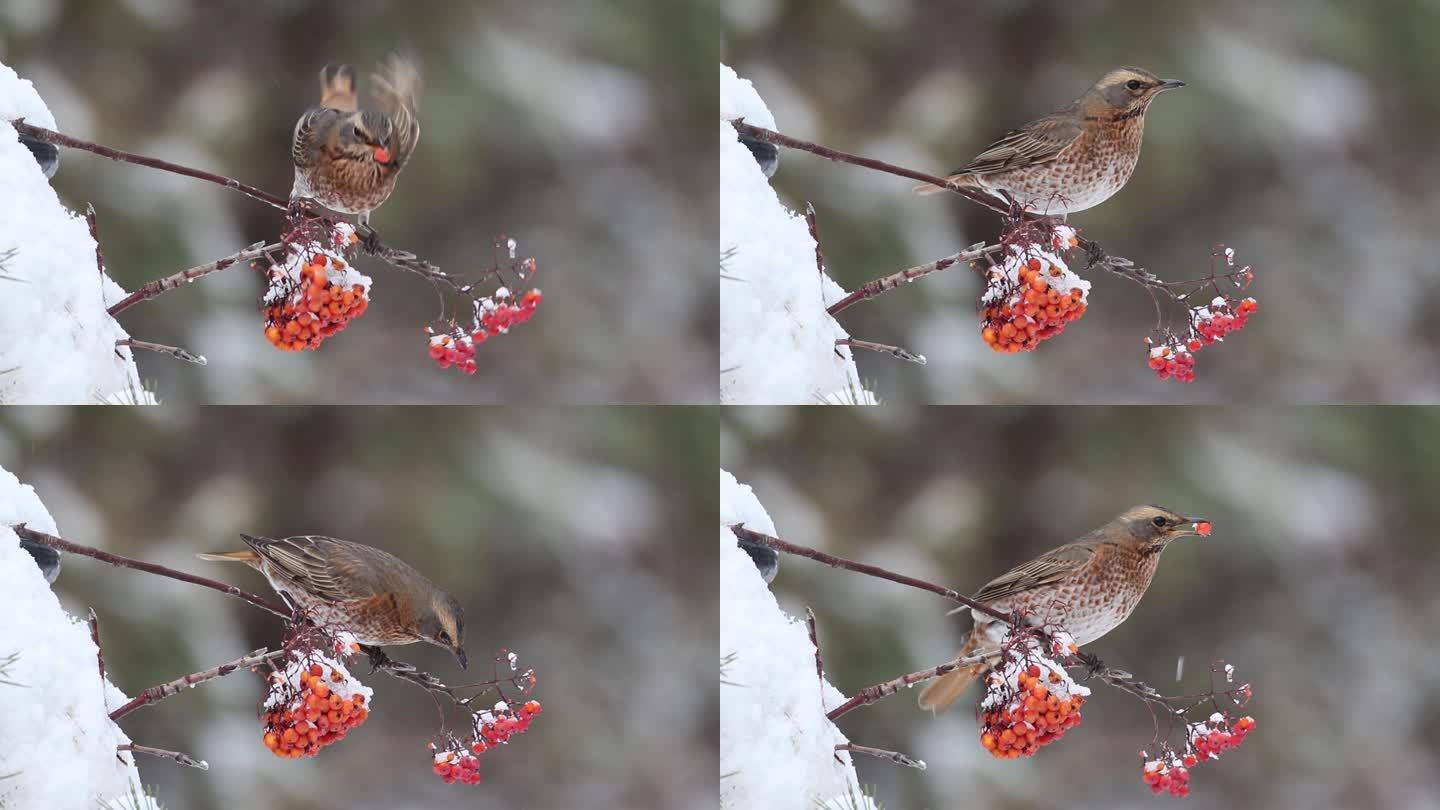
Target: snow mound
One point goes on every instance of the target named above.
(777, 750)
(57, 342)
(777, 342)
(59, 743)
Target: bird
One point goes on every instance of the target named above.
(347, 159)
(1074, 158)
(1087, 587)
(343, 585)
(46, 557)
(46, 154)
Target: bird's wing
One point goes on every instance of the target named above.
(1037, 142)
(304, 143)
(395, 87)
(334, 570)
(1048, 569)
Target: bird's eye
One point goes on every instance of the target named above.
(359, 136)
(1135, 84)
(1159, 520)
(443, 638)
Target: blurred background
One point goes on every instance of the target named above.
(565, 533)
(1304, 140)
(1317, 585)
(577, 129)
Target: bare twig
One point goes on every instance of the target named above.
(870, 289)
(862, 568)
(815, 641)
(813, 221)
(174, 351)
(155, 694)
(95, 637)
(27, 533)
(150, 289)
(94, 224)
(174, 756)
(893, 351)
(894, 756)
(884, 689)
(771, 136)
(61, 139)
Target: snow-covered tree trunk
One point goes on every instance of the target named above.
(57, 342)
(777, 749)
(57, 743)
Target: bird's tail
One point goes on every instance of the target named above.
(945, 690)
(395, 86)
(959, 179)
(231, 556)
(337, 88)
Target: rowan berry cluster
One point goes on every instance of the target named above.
(314, 292)
(1217, 734)
(495, 314)
(313, 702)
(1173, 357)
(1168, 774)
(1032, 295)
(1030, 701)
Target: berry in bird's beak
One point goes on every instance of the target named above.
(382, 155)
(1202, 528)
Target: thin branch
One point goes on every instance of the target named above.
(883, 348)
(155, 694)
(813, 220)
(94, 223)
(95, 637)
(815, 641)
(174, 756)
(27, 533)
(862, 568)
(60, 139)
(893, 756)
(884, 689)
(174, 351)
(870, 289)
(771, 136)
(150, 289)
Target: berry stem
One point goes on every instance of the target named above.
(155, 694)
(27, 533)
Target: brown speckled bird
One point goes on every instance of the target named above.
(1074, 158)
(1088, 587)
(350, 586)
(345, 159)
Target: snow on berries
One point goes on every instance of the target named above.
(1030, 701)
(495, 315)
(1167, 775)
(1173, 356)
(1212, 737)
(313, 701)
(313, 293)
(458, 760)
(1031, 295)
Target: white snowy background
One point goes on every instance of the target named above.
(57, 744)
(57, 343)
(1317, 585)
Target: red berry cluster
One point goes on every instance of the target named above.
(460, 762)
(1217, 735)
(1032, 712)
(1168, 775)
(312, 705)
(310, 300)
(1029, 302)
(457, 766)
(494, 315)
(1175, 358)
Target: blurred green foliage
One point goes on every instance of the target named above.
(1317, 584)
(574, 128)
(569, 535)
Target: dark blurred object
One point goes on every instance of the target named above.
(46, 154)
(766, 559)
(47, 558)
(767, 155)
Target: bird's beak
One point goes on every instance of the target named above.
(460, 656)
(1197, 526)
(1171, 85)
